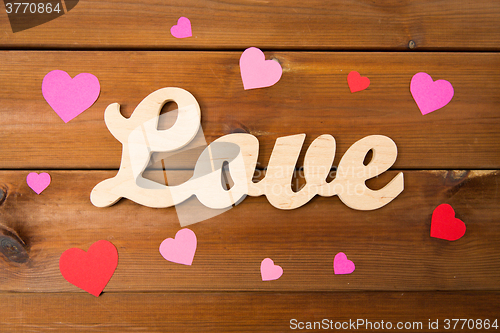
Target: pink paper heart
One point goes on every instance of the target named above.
(180, 250)
(256, 71)
(269, 271)
(38, 182)
(342, 265)
(430, 95)
(70, 97)
(182, 29)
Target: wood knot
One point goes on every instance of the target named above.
(238, 130)
(12, 246)
(456, 177)
(412, 45)
(3, 194)
(234, 126)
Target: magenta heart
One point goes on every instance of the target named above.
(342, 265)
(430, 95)
(269, 271)
(38, 182)
(70, 97)
(182, 29)
(180, 250)
(256, 71)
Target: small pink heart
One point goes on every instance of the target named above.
(38, 182)
(256, 71)
(430, 95)
(269, 271)
(70, 97)
(182, 29)
(342, 265)
(180, 250)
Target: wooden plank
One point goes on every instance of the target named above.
(242, 312)
(391, 246)
(291, 24)
(312, 97)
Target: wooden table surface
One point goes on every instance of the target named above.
(402, 274)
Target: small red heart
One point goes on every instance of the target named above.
(357, 82)
(90, 270)
(444, 225)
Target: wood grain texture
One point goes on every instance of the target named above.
(312, 97)
(236, 312)
(391, 246)
(402, 274)
(290, 24)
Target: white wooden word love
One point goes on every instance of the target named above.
(140, 138)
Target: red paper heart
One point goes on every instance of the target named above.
(357, 82)
(444, 224)
(90, 270)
